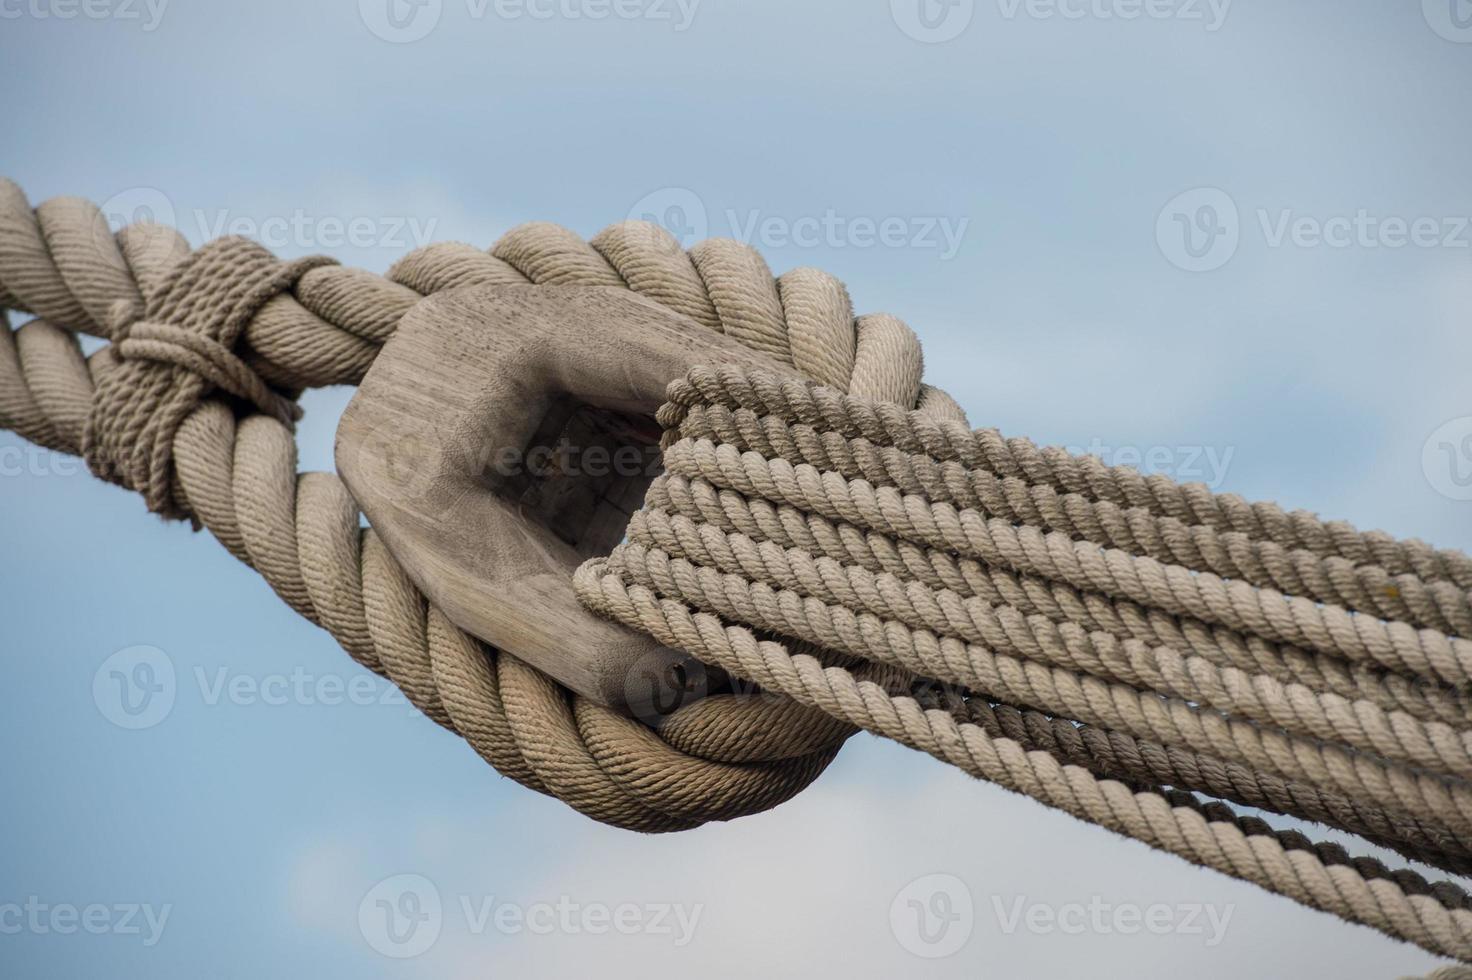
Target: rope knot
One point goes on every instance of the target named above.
(172, 353)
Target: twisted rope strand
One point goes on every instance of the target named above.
(1081, 696)
(1330, 579)
(855, 596)
(1175, 589)
(716, 543)
(1383, 904)
(853, 417)
(1117, 755)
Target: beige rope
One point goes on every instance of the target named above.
(1267, 616)
(854, 607)
(1332, 579)
(1115, 755)
(1381, 903)
(1076, 694)
(889, 425)
(675, 499)
(805, 514)
(1055, 556)
(170, 432)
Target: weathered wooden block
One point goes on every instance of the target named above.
(505, 434)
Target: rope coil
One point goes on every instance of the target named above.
(1114, 645)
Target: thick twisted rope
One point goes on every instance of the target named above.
(192, 406)
(1146, 650)
(1147, 816)
(241, 331)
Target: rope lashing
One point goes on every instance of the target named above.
(168, 356)
(1132, 651)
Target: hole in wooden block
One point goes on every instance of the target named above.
(582, 474)
(504, 436)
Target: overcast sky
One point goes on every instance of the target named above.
(1225, 240)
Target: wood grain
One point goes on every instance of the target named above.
(443, 447)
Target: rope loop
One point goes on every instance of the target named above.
(173, 352)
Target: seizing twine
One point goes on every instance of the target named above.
(1138, 653)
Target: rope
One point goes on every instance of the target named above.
(1111, 644)
(1101, 649)
(187, 406)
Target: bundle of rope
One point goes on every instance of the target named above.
(1138, 653)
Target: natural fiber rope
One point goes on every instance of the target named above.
(1331, 579)
(1146, 816)
(312, 324)
(974, 534)
(806, 514)
(859, 614)
(192, 404)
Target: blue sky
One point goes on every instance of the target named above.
(1032, 171)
